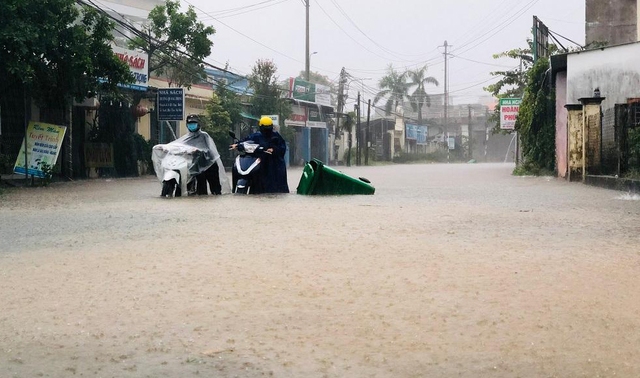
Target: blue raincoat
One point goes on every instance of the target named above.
(273, 170)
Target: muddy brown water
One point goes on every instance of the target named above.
(447, 271)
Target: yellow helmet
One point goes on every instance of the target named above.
(265, 122)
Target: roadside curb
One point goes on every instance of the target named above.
(615, 183)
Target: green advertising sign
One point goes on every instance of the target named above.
(311, 92)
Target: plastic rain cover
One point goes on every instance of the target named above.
(199, 150)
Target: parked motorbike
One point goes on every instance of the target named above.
(176, 165)
(245, 173)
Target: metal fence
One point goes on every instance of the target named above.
(614, 149)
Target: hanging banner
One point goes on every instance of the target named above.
(509, 108)
(43, 146)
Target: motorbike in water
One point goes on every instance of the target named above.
(176, 166)
(245, 173)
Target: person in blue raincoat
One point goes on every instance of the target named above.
(273, 171)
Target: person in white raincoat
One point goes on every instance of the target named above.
(206, 168)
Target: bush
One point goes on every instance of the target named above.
(438, 156)
(6, 164)
(531, 169)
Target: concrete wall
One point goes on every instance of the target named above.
(615, 70)
(612, 21)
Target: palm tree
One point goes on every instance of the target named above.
(419, 97)
(394, 88)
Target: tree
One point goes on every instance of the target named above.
(394, 88)
(176, 43)
(536, 120)
(267, 94)
(222, 112)
(419, 97)
(58, 51)
(512, 82)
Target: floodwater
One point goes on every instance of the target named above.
(448, 270)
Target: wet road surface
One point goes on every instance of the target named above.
(448, 270)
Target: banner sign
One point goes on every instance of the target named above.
(303, 90)
(509, 108)
(43, 146)
(170, 104)
(98, 155)
(416, 132)
(138, 63)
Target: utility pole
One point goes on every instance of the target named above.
(306, 57)
(358, 136)
(446, 96)
(486, 134)
(343, 80)
(470, 139)
(366, 142)
(355, 107)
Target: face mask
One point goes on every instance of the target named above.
(266, 130)
(192, 126)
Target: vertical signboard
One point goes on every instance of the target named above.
(138, 63)
(170, 104)
(43, 146)
(509, 108)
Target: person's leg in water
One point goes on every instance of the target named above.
(201, 184)
(213, 178)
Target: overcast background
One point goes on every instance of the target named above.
(365, 36)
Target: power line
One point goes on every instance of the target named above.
(499, 27)
(346, 15)
(243, 9)
(184, 68)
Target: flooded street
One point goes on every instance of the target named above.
(448, 270)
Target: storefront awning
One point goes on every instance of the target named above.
(249, 116)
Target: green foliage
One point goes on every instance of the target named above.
(6, 164)
(634, 149)
(58, 49)
(529, 169)
(170, 35)
(536, 120)
(347, 123)
(47, 170)
(404, 158)
(512, 82)
(267, 97)
(394, 88)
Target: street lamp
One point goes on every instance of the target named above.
(308, 65)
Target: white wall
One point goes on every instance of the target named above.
(615, 70)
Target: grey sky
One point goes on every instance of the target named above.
(407, 33)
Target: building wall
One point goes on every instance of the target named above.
(614, 70)
(613, 21)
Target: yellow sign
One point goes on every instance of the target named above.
(98, 155)
(43, 146)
